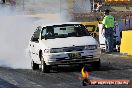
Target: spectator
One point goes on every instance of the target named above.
(108, 25)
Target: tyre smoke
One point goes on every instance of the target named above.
(15, 32)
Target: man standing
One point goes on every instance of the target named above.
(108, 25)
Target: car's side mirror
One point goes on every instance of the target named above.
(34, 39)
(44, 37)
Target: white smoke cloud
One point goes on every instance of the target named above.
(14, 35)
(15, 31)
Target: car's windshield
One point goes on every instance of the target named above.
(62, 31)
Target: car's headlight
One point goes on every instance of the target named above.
(90, 47)
(56, 50)
(53, 50)
(47, 51)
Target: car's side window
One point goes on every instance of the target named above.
(44, 32)
(36, 35)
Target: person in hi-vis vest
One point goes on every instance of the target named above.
(108, 25)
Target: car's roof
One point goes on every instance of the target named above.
(60, 23)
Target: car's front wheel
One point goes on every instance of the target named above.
(34, 65)
(96, 65)
(44, 68)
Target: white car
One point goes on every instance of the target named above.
(63, 44)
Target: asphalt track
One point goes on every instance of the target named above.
(112, 67)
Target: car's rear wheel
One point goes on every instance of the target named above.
(34, 65)
(44, 68)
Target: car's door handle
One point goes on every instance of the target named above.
(33, 45)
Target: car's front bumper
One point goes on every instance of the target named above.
(64, 58)
(73, 61)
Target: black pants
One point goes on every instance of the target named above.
(109, 39)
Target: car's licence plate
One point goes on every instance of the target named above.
(74, 55)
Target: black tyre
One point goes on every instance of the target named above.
(34, 65)
(96, 65)
(44, 68)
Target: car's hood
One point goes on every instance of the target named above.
(70, 41)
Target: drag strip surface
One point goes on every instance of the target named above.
(113, 67)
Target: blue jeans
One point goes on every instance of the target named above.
(109, 39)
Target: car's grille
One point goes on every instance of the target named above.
(74, 48)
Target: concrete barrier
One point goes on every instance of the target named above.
(126, 42)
